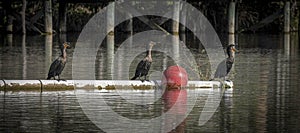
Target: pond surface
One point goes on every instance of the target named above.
(265, 96)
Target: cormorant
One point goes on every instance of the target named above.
(222, 72)
(58, 65)
(143, 67)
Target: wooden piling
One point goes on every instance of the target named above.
(231, 18)
(62, 17)
(287, 17)
(110, 39)
(175, 48)
(48, 16)
(23, 14)
(231, 25)
(110, 18)
(48, 53)
(231, 39)
(176, 14)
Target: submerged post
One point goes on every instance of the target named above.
(287, 17)
(48, 16)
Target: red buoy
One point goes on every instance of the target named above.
(175, 76)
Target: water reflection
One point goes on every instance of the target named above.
(265, 96)
(9, 38)
(171, 100)
(287, 44)
(24, 55)
(48, 112)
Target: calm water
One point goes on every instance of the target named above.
(265, 96)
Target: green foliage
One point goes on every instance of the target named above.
(250, 12)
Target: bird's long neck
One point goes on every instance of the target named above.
(230, 53)
(149, 56)
(64, 53)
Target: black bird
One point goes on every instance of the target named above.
(222, 71)
(58, 65)
(144, 65)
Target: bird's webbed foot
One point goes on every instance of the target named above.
(145, 79)
(61, 80)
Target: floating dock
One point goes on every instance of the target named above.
(54, 85)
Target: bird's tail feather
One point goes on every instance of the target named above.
(133, 78)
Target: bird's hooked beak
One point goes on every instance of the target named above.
(153, 43)
(67, 45)
(234, 49)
